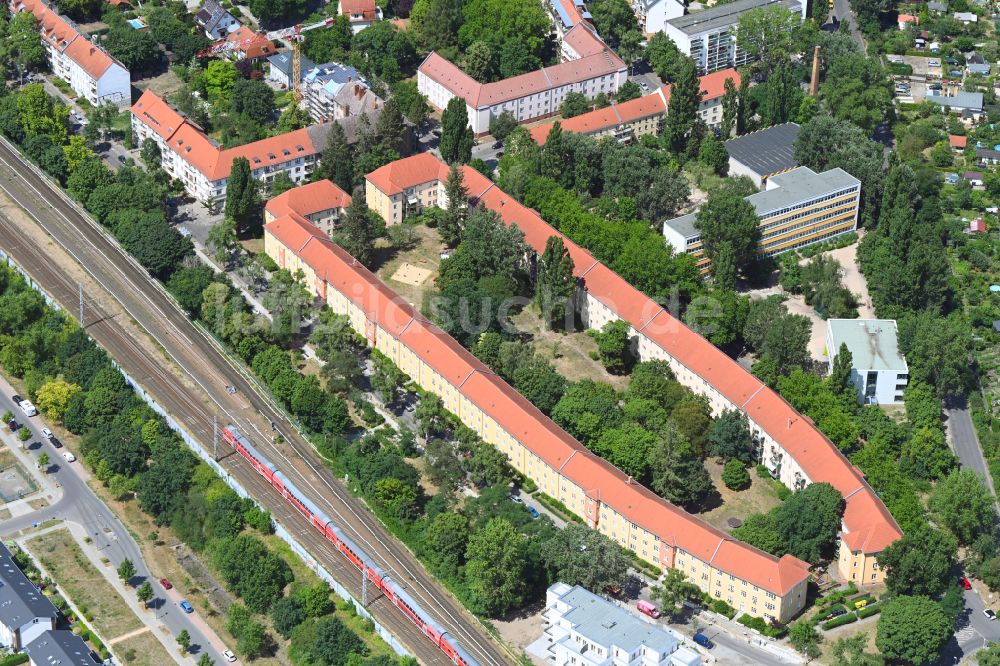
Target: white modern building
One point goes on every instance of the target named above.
(25, 613)
(709, 36)
(798, 208)
(84, 65)
(332, 90)
(878, 369)
(589, 67)
(582, 629)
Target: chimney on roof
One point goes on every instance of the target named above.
(814, 84)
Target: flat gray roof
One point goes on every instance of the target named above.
(721, 16)
(607, 624)
(963, 100)
(872, 343)
(798, 185)
(785, 189)
(60, 648)
(20, 600)
(766, 151)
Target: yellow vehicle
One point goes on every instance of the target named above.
(860, 604)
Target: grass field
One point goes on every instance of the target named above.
(142, 650)
(760, 497)
(79, 580)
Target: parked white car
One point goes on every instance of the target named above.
(69, 456)
(28, 408)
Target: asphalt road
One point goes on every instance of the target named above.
(842, 12)
(198, 357)
(80, 505)
(966, 442)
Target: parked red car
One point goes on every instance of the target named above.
(165, 583)
(964, 583)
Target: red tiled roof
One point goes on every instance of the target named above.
(408, 172)
(571, 11)
(478, 95)
(252, 44)
(583, 40)
(364, 8)
(818, 457)
(309, 199)
(958, 141)
(190, 142)
(60, 33)
(713, 87)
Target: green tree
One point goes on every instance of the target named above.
(809, 521)
(614, 346)
(767, 34)
(964, 505)
(729, 228)
(223, 241)
(685, 98)
(446, 539)
(144, 593)
(451, 225)
(437, 22)
(629, 90)
(673, 591)
(735, 476)
(804, 638)
(730, 109)
(502, 125)
(578, 555)
(136, 50)
(912, 630)
(242, 196)
(481, 62)
(989, 656)
(850, 651)
(677, 474)
(730, 437)
(574, 104)
(664, 56)
(540, 383)
(253, 99)
(184, 640)
(150, 154)
(126, 571)
(856, 88)
(357, 234)
(53, 397)
(457, 138)
(555, 285)
(495, 568)
(43, 462)
(336, 162)
(26, 48)
(759, 531)
(205, 660)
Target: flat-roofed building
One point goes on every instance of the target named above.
(878, 368)
(582, 629)
(589, 68)
(799, 207)
(709, 36)
(25, 613)
(764, 153)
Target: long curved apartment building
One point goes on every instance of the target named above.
(608, 500)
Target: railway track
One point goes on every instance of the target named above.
(199, 357)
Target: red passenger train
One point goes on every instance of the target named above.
(396, 595)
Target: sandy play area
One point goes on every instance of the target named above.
(410, 274)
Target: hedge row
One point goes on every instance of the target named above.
(14, 659)
(759, 624)
(869, 610)
(840, 621)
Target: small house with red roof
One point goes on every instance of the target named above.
(906, 20)
(360, 13)
(88, 69)
(977, 226)
(958, 143)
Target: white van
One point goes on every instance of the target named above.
(28, 408)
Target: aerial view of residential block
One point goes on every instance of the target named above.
(482, 332)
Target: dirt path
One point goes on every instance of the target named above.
(853, 279)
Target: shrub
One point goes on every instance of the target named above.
(840, 621)
(762, 472)
(762, 626)
(14, 659)
(869, 610)
(722, 608)
(735, 476)
(826, 610)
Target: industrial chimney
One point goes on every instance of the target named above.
(814, 84)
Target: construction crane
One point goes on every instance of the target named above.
(291, 34)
